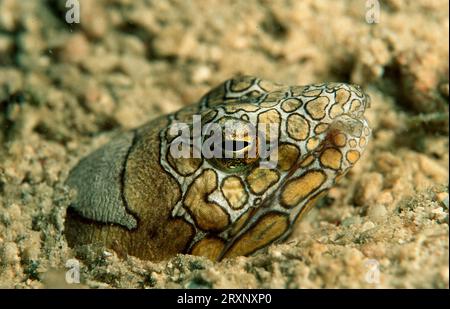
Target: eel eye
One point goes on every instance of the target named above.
(231, 145)
(234, 147)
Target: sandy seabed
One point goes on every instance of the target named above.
(65, 89)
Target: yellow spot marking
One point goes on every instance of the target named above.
(339, 139)
(208, 215)
(268, 104)
(342, 96)
(297, 127)
(356, 104)
(352, 156)
(336, 110)
(241, 84)
(297, 90)
(272, 98)
(312, 143)
(234, 192)
(307, 161)
(238, 225)
(210, 247)
(320, 128)
(231, 108)
(271, 117)
(184, 166)
(266, 230)
(362, 142)
(260, 179)
(333, 85)
(287, 156)
(312, 93)
(299, 188)
(308, 206)
(331, 158)
(316, 108)
(291, 105)
(270, 86)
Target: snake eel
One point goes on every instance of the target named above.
(136, 196)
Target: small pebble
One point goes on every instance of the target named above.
(377, 212)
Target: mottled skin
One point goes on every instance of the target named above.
(149, 193)
(134, 197)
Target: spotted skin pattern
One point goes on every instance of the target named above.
(223, 209)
